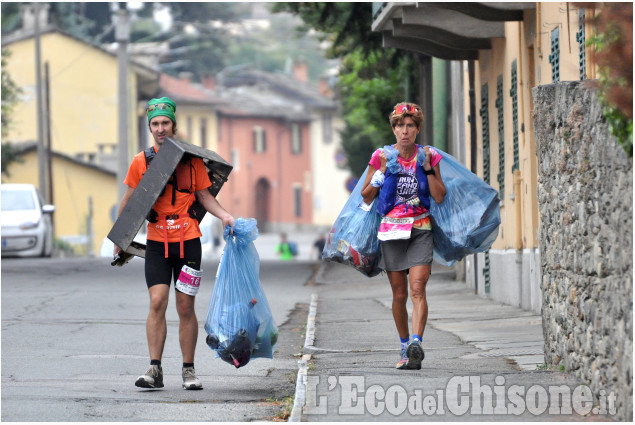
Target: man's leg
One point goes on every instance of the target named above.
(399, 285)
(188, 325)
(188, 334)
(418, 280)
(156, 331)
(156, 327)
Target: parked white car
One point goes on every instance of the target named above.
(25, 222)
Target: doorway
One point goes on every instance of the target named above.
(263, 190)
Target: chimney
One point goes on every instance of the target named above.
(208, 82)
(185, 75)
(301, 71)
(28, 16)
(323, 87)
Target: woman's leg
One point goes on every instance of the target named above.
(399, 284)
(418, 279)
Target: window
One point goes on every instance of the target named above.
(297, 201)
(296, 139)
(204, 133)
(188, 128)
(501, 136)
(580, 37)
(327, 129)
(554, 57)
(260, 139)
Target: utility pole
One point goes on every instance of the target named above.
(122, 34)
(41, 154)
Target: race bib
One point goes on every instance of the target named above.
(392, 229)
(189, 280)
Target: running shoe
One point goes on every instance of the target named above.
(403, 362)
(190, 381)
(153, 378)
(415, 354)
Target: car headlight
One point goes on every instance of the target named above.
(29, 225)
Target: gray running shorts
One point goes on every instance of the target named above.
(402, 254)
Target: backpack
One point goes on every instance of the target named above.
(293, 248)
(196, 210)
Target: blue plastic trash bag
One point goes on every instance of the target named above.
(467, 220)
(353, 238)
(239, 322)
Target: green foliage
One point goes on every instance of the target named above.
(372, 79)
(274, 48)
(10, 16)
(613, 84)
(10, 93)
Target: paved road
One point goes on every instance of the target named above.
(73, 343)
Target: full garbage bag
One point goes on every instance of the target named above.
(352, 239)
(239, 322)
(467, 220)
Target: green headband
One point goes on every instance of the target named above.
(163, 106)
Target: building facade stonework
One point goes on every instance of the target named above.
(585, 196)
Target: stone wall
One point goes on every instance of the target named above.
(585, 196)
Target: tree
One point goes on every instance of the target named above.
(614, 54)
(372, 79)
(10, 93)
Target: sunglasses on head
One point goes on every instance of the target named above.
(160, 107)
(402, 109)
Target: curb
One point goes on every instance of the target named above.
(301, 379)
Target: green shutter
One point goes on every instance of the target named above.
(501, 136)
(484, 112)
(513, 92)
(580, 37)
(554, 57)
(486, 273)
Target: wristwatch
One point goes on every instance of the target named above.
(429, 172)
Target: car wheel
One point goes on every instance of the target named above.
(46, 251)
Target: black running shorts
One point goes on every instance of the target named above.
(161, 270)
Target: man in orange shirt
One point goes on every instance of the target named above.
(173, 250)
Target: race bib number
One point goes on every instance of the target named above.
(189, 280)
(392, 229)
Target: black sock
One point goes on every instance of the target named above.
(188, 364)
(155, 362)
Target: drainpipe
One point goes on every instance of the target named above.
(519, 232)
(519, 235)
(538, 34)
(439, 103)
(472, 94)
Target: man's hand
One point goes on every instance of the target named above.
(116, 251)
(228, 220)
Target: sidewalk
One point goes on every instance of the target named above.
(481, 358)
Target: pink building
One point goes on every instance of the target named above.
(271, 180)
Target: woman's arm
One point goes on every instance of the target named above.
(435, 182)
(370, 192)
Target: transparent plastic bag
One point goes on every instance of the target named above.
(467, 220)
(239, 322)
(352, 239)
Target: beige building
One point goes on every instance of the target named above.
(82, 92)
(494, 54)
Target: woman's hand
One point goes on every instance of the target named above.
(383, 161)
(426, 165)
